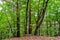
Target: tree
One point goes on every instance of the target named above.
(18, 19)
(45, 3)
(26, 17)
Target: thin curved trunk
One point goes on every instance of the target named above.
(42, 17)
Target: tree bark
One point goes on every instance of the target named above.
(18, 19)
(42, 17)
(30, 28)
(26, 17)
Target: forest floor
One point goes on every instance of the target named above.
(35, 38)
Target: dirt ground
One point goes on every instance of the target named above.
(35, 38)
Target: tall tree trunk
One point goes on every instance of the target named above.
(42, 17)
(38, 16)
(26, 17)
(30, 28)
(18, 19)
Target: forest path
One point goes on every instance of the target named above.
(35, 38)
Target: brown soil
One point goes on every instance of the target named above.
(29, 37)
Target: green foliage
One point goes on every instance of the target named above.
(8, 15)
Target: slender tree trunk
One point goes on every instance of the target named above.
(30, 28)
(18, 19)
(38, 17)
(26, 17)
(42, 17)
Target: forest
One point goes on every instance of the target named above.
(19, 18)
